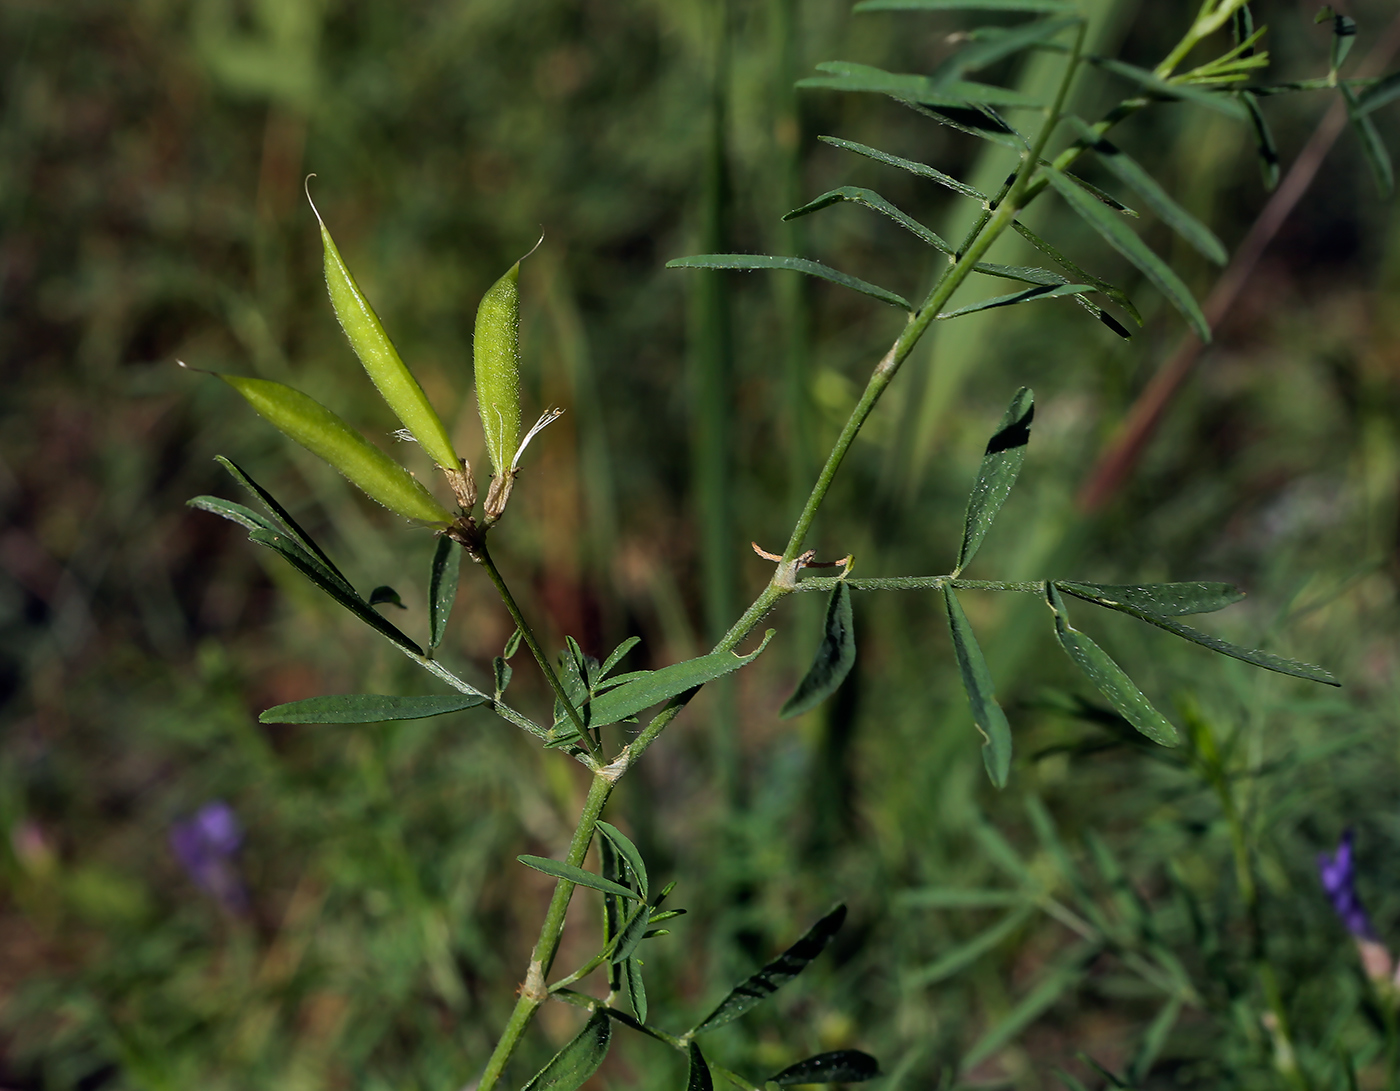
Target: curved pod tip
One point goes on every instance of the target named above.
(327, 436)
(381, 360)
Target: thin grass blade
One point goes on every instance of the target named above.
(965, 954)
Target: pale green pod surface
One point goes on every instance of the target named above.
(391, 376)
(496, 354)
(324, 434)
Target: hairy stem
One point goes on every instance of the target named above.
(534, 992)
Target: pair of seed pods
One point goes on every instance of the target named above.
(496, 358)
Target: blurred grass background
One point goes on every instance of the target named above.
(151, 161)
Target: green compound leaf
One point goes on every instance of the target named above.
(442, 588)
(284, 518)
(578, 1060)
(950, 95)
(698, 1078)
(870, 199)
(1128, 171)
(776, 974)
(368, 708)
(1118, 235)
(797, 265)
(1108, 676)
(1140, 607)
(312, 569)
(835, 657)
(653, 687)
(577, 876)
(841, 1066)
(1264, 144)
(1039, 6)
(1167, 599)
(920, 169)
(1001, 462)
(1221, 103)
(981, 693)
(629, 853)
(1379, 94)
(1371, 143)
(1030, 295)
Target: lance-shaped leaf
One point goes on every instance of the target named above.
(1128, 171)
(368, 708)
(315, 571)
(1221, 103)
(776, 974)
(796, 265)
(1371, 143)
(571, 1066)
(923, 170)
(1379, 94)
(1076, 273)
(1030, 295)
(636, 988)
(628, 853)
(698, 1078)
(1141, 608)
(1166, 599)
(283, 518)
(616, 655)
(968, 952)
(989, 50)
(981, 693)
(1001, 462)
(576, 875)
(978, 121)
(633, 932)
(442, 588)
(1264, 145)
(653, 687)
(1037, 6)
(840, 1066)
(955, 94)
(1118, 235)
(835, 656)
(870, 199)
(1108, 676)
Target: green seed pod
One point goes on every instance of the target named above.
(395, 382)
(324, 434)
(496, 355)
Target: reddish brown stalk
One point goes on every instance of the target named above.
(1123, 452)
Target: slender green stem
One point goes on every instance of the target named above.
(534, 993)
(482, 556)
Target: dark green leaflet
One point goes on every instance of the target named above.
(442, 588)
(841, 1066)
(1167, 599)
(797, 265)
(872, 200)
(368, 708)
(653, 687)
(572, 1065)
(835, 657)
(577, 876)
(1001, 462)
(1027, 296)
(981, 693)
(698, 1077)
(776, 974)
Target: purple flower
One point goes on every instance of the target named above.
(1338, 873)
(205, 845)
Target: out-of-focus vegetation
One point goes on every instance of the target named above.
(151, 164)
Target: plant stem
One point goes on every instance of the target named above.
(534, 993)
(482, 556)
